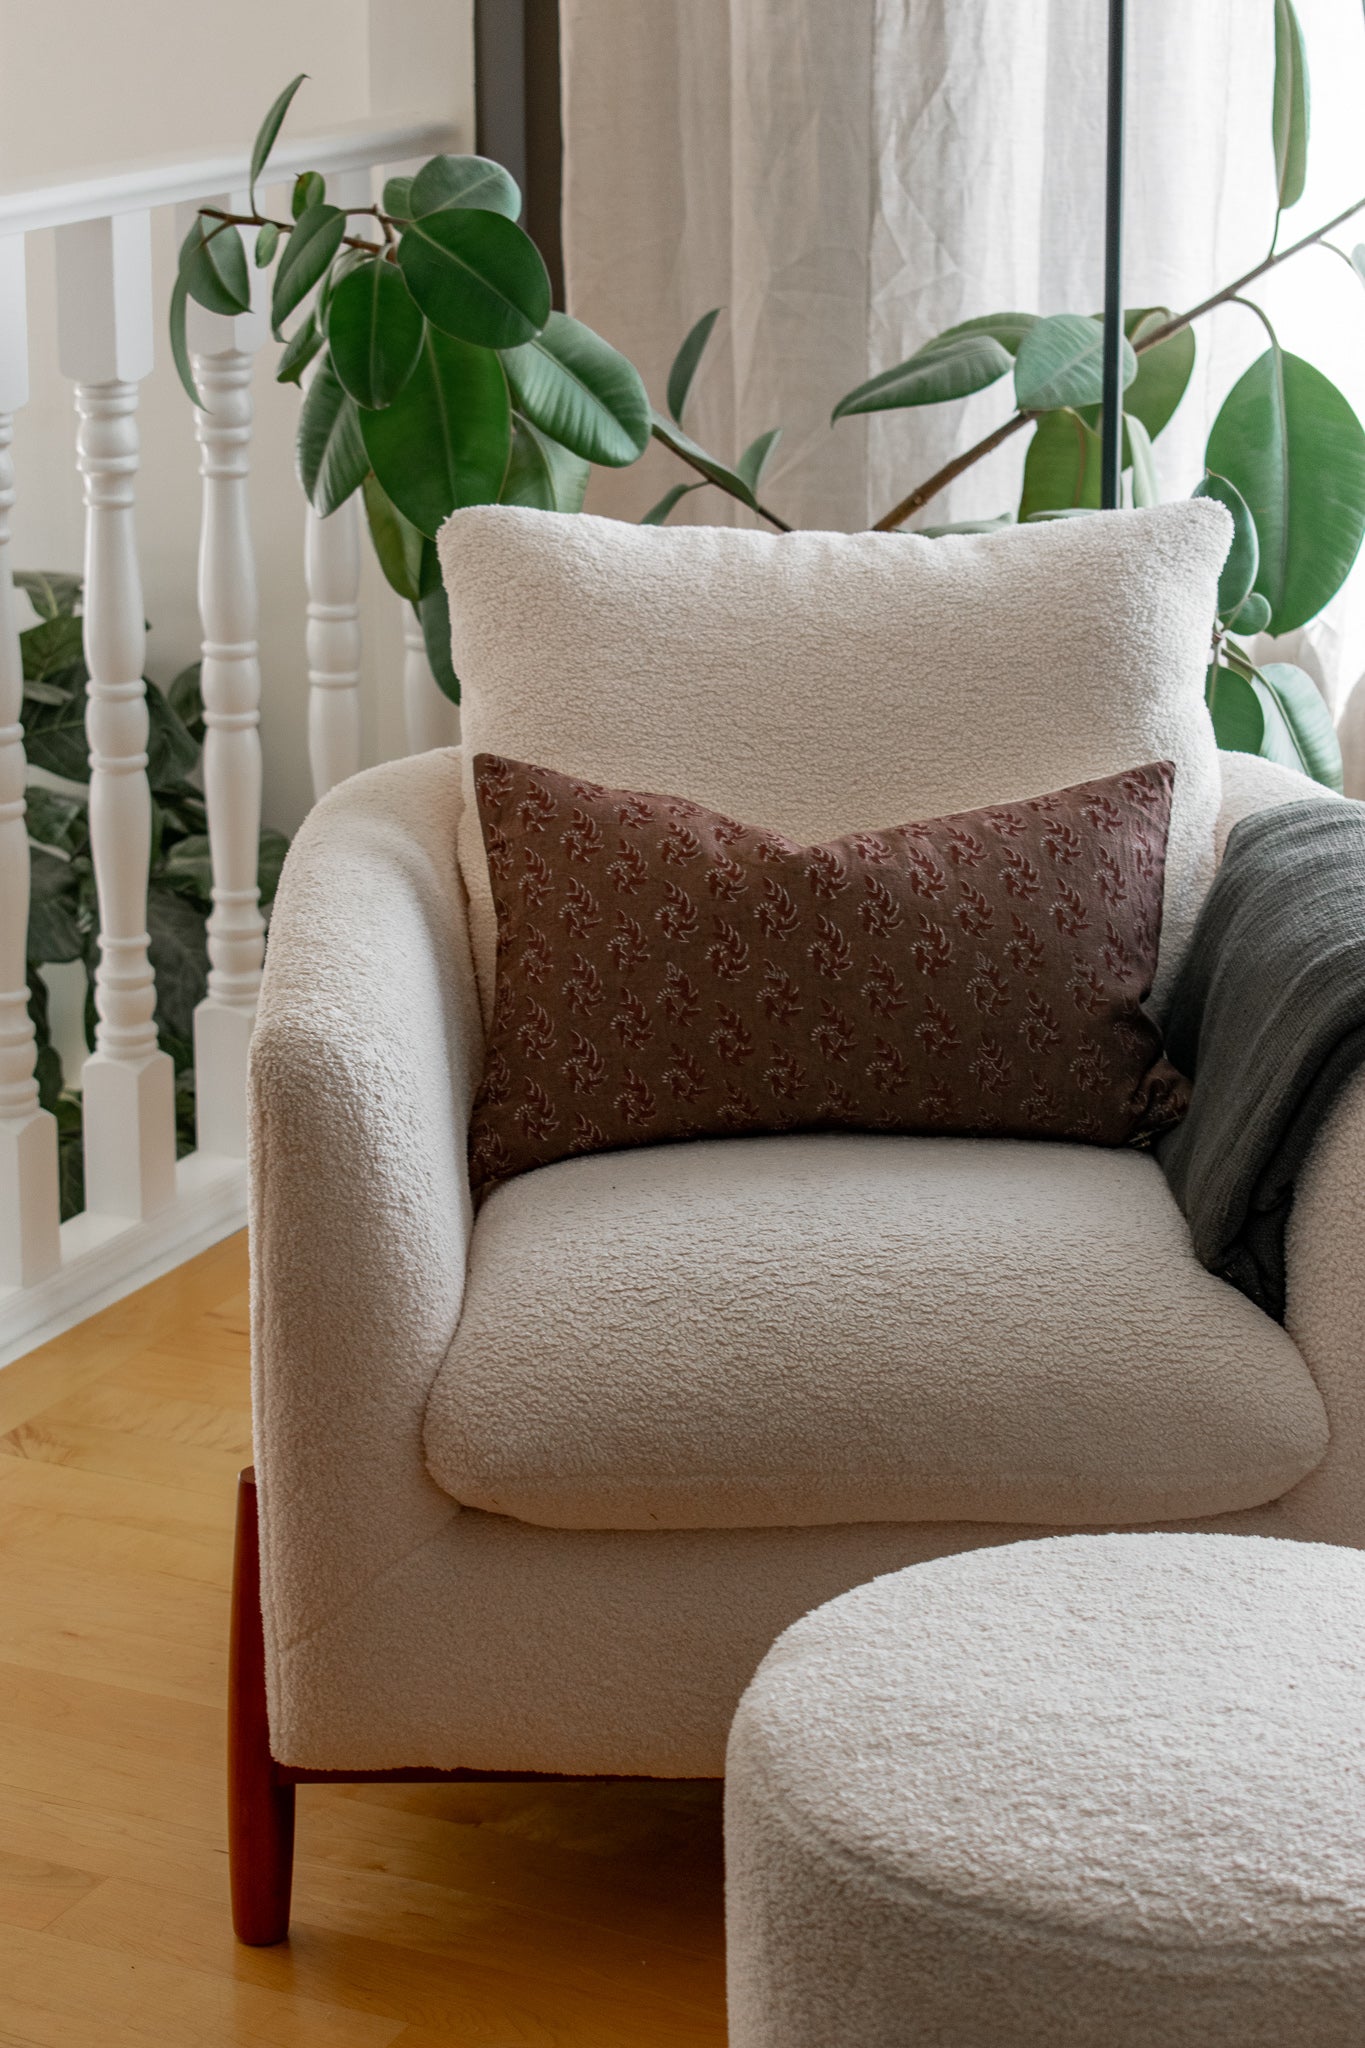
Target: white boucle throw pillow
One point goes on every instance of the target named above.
(826, 683)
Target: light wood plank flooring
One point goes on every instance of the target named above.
(476, 1916)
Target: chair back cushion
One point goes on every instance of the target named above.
(826, 683)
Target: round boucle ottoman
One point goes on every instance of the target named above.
(1092, 1792)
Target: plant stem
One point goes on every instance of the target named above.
(931, 487)
(941, 478)
(287, 227)
(762, 510)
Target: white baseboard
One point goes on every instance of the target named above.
(106, 1257)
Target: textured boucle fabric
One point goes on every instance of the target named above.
(404, 1630)
(664, 972)
(758, 1332)
(821, 684)
(1096, 1792)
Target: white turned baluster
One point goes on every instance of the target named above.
(230, 681)
(104, 291)
(331, 567)
(432, 720)
(30, 1246)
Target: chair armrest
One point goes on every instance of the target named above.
(366, 1054)
(1251, 784)
(1325, 1308)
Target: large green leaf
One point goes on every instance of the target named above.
(179, 957)
(943, 369)
(329, 451)
(1137, 448)
(433, 614)
(299, 351)
(445, 440)
(213, 267)
(180, 346)
(476, 276)
(581, 392)
(1060, 362)
(172, 751)
(685, 362)
(1290, 443)
(1008, 329)
(56, 820)
(1163, 371)
(1278, 713)
(316, 237)
(374, 332)
(469, 181)
(715, 472)
(752, 464)
(543, 474)
(267, 132)
(1289, 107)
(1062, 467)
(185, 695)
(53, 593)
(53, 648)
(1237, 578)
(397, 543)
(54, 932)
(397, 198)
(657, 514)
(54, 735)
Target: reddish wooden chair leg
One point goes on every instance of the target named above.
(260, 1807)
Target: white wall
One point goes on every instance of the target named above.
(86, 87)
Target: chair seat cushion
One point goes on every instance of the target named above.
(789, 1331)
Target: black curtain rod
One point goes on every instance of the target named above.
(1111, 423)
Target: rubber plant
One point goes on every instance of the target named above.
(1286, 452)
(63, 921)
(438, 374)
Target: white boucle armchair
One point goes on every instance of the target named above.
(397, 1630)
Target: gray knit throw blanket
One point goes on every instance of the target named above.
(1268, 1019)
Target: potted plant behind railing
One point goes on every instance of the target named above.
(442, 378)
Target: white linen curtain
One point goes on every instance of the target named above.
(849, 179)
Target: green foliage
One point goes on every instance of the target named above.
(686, 362)
(476, 276)
(1060, 362)
(1238, 575)
(441, 377)
(580, 392)
(63, 924)
(951, 367)
(1295, 450)
(446, 438)
(542, 473)
(374, 332)
(1275, 711)
(472, 181)
(1289, 108)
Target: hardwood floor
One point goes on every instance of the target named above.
(425, 1916)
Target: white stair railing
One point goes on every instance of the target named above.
(30, 1247)
(221, 352)
(143, 1210)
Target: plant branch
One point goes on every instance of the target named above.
(941, 478)
(1239, 284)
(287, 227)
(752, 505)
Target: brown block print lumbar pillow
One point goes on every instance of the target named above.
(664, 972)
